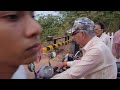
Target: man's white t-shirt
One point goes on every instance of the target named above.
(20, 73)
(106, 39)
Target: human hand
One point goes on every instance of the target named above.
(57, 64)
(60, 65)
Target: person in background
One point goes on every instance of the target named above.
(116, 45)
(20, 41)
(97, 61)
(99, 30)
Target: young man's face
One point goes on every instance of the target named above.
(98, 30)
(19, 37)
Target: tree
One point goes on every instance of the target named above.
(52, 25)
(111, 19)
(58, 25)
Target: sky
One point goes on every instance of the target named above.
(38, 13)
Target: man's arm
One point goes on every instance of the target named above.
(89, 61)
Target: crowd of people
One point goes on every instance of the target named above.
(20, 37)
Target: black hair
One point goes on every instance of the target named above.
(101, 25)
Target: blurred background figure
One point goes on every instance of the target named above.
(116, 45)
(100, 32)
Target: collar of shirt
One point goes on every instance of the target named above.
(89, 44)
(102, 34)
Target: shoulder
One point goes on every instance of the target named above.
(106, 36)
(117, 32)
(94, 51)
(20, 73)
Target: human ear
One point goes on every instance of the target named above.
(83, 35)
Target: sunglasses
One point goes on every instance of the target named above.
(75, 32)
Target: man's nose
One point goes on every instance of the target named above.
(33, 28)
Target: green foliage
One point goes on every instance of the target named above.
(58, 25)
(52, 25)
(111, 19)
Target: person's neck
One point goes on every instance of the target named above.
(6, 72)
(87, 40)
(100, 35)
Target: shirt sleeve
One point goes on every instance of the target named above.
(70, 63)
(89, 61)
(116, 38)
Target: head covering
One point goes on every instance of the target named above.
(83, 23)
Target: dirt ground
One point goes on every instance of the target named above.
(44, 60)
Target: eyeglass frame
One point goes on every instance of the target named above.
(77, 31)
